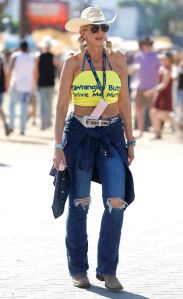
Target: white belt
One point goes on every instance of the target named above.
(90, 122)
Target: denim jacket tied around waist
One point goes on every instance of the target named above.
(76, 138)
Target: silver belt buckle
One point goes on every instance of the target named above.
(105, 123)
(84, 122)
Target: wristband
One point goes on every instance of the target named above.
(58, 145)
(131, 142)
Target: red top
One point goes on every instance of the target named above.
(164, 99)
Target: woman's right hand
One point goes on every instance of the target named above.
(59, 159)
(148, 93)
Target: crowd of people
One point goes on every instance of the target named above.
(159, 88)
(29, 80)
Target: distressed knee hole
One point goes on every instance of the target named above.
(83, 202)
(116, 203)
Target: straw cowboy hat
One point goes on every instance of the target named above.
(90, 15)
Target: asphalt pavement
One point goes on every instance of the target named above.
(32, 251)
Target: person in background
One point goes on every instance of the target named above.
(21, 73)
(46, 67)
(6, 55)
(91, 145)
(129, 57)
(146, 64)
(32, 110)
(180, 91)
(2, 90)
(163, 104)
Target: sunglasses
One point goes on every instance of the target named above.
(95, 28)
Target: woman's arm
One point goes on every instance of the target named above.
(165, 81)
(162, 85)
(64, 94)
(124, 105)
(4, 70)
(9, 69)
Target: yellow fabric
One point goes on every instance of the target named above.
(86, 93)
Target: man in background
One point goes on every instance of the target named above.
(21, 83)
(147, 65)
(2, 90)
(46, 68)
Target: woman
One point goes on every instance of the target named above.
(163, 106)
(2, 90)
(180, 92)
(92, 146)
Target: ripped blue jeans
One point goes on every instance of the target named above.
(112, 175)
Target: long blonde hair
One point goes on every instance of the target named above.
(83, 45)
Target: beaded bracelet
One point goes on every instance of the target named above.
(131, 142)
(58, 145)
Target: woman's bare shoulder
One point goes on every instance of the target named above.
(73, 57)
(163, 70)
(73, 60)
(118, 61)
(118, 58)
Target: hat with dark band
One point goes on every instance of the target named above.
(90, 15)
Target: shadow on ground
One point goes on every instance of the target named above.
(27, 142)
(114, 295)
(4, 165)
(47, 138)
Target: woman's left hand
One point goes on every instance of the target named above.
(130, 154)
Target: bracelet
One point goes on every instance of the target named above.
(131, 142)
(58, 145)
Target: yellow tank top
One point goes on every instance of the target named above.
(86, 93)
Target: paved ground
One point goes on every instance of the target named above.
(32, 252)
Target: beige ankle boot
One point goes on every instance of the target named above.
(111, 282)
(81, 280)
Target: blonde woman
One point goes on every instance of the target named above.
(91, 145)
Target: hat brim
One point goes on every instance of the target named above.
(74, 25)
